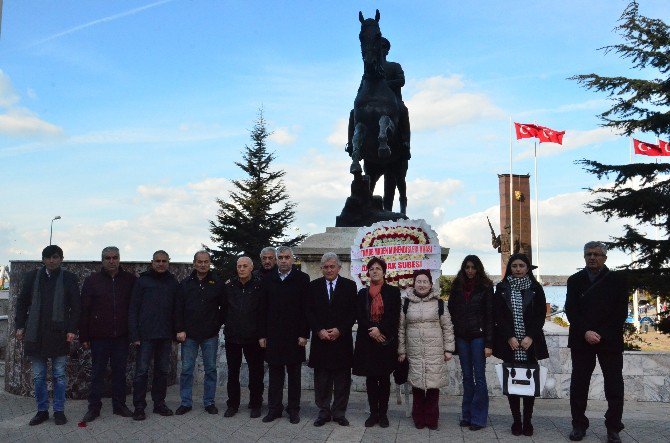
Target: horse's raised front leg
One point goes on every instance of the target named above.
(356, 156)
(385, 126)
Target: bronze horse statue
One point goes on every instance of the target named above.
(376, 139)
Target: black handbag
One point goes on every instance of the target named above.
(401, 372)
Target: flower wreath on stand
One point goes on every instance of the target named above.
(394, 236)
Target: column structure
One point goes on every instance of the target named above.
(516, 238)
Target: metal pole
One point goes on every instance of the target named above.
(511, 194)
(51, 231)
(537, 220)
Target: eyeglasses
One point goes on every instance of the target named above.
(594, 254)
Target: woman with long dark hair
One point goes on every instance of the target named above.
(375, 355)
(471, 308)
(520, 309)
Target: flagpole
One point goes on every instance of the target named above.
(511, 194)
(636, 321)
(537, 220)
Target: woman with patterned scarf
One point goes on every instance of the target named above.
(378, 314)
(520, 309)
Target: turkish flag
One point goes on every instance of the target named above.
(525, 130)
(646, 148)
(547, 135)
(664, 147)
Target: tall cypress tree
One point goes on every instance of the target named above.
(641, 191)
(257, 212)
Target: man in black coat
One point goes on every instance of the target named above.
(268, 258)
(596, 306)
(242, 310)
(47, 315)
(198, 321)
(151, 327)
(284, 332)
(105, 300)
(331, 313)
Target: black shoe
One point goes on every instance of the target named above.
(342, 421)
(90, 415)
(181, 410)
(39, 418)
(320, 422)
(123, 411)
(230, 411)
(212, 409)
(383, 421)
(464, 423)
(139, 414)
(270, 417)
(419, 425)
(163, 410)
(577, 434)
(433, 428)
(527, 429)
(255, 412)
(517, 428)
(60, 419)
(476, 427)
(372, 420)
(294, 417)
(613, 437)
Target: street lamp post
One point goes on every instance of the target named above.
(51, 231)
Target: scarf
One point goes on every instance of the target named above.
(376, 302)
(518, 285)
(58, 310)
(468, 288)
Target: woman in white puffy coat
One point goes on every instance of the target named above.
(426, 339)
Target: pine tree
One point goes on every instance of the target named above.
(641, 191)
(257, 212)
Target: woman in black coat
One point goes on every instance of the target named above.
(520, 309)
(471, 310)
(376, 352)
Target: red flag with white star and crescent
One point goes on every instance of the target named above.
(525, 130)
(644, 148)
(548, 135)
(664, 147)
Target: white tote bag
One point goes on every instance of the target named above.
(525, 379)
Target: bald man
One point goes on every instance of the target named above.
(242, 311)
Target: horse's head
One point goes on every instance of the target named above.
(371, 45)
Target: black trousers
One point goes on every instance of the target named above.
(159, 350)
(328, 382)
(583, 364)
(276, 388)
(379, 391)
(106, 351)
(254, 355)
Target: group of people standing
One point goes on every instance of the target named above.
(270, 314)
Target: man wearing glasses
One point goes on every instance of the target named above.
(105, 298)
(597, 306)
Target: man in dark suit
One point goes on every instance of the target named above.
(284, 332)
(597, 306)
(331, 314)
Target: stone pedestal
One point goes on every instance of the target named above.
(18, 370)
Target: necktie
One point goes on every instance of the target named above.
(330, 292)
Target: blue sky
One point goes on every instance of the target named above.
(125, 118)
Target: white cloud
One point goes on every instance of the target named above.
(564, 228)
(442, 102)
(22, 122)
(573, 139)
(17, 121)
(339, 135)
(284, 135)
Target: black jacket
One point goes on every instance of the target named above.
(242, 312)
(198, 307)
(473, 318)
(534, 313)
(284, 317)
(52, 343)
(152, 307)
(104, 305)
(601, 307)
(372, 358)
(340, 313)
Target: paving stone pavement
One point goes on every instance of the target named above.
(645, 422)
